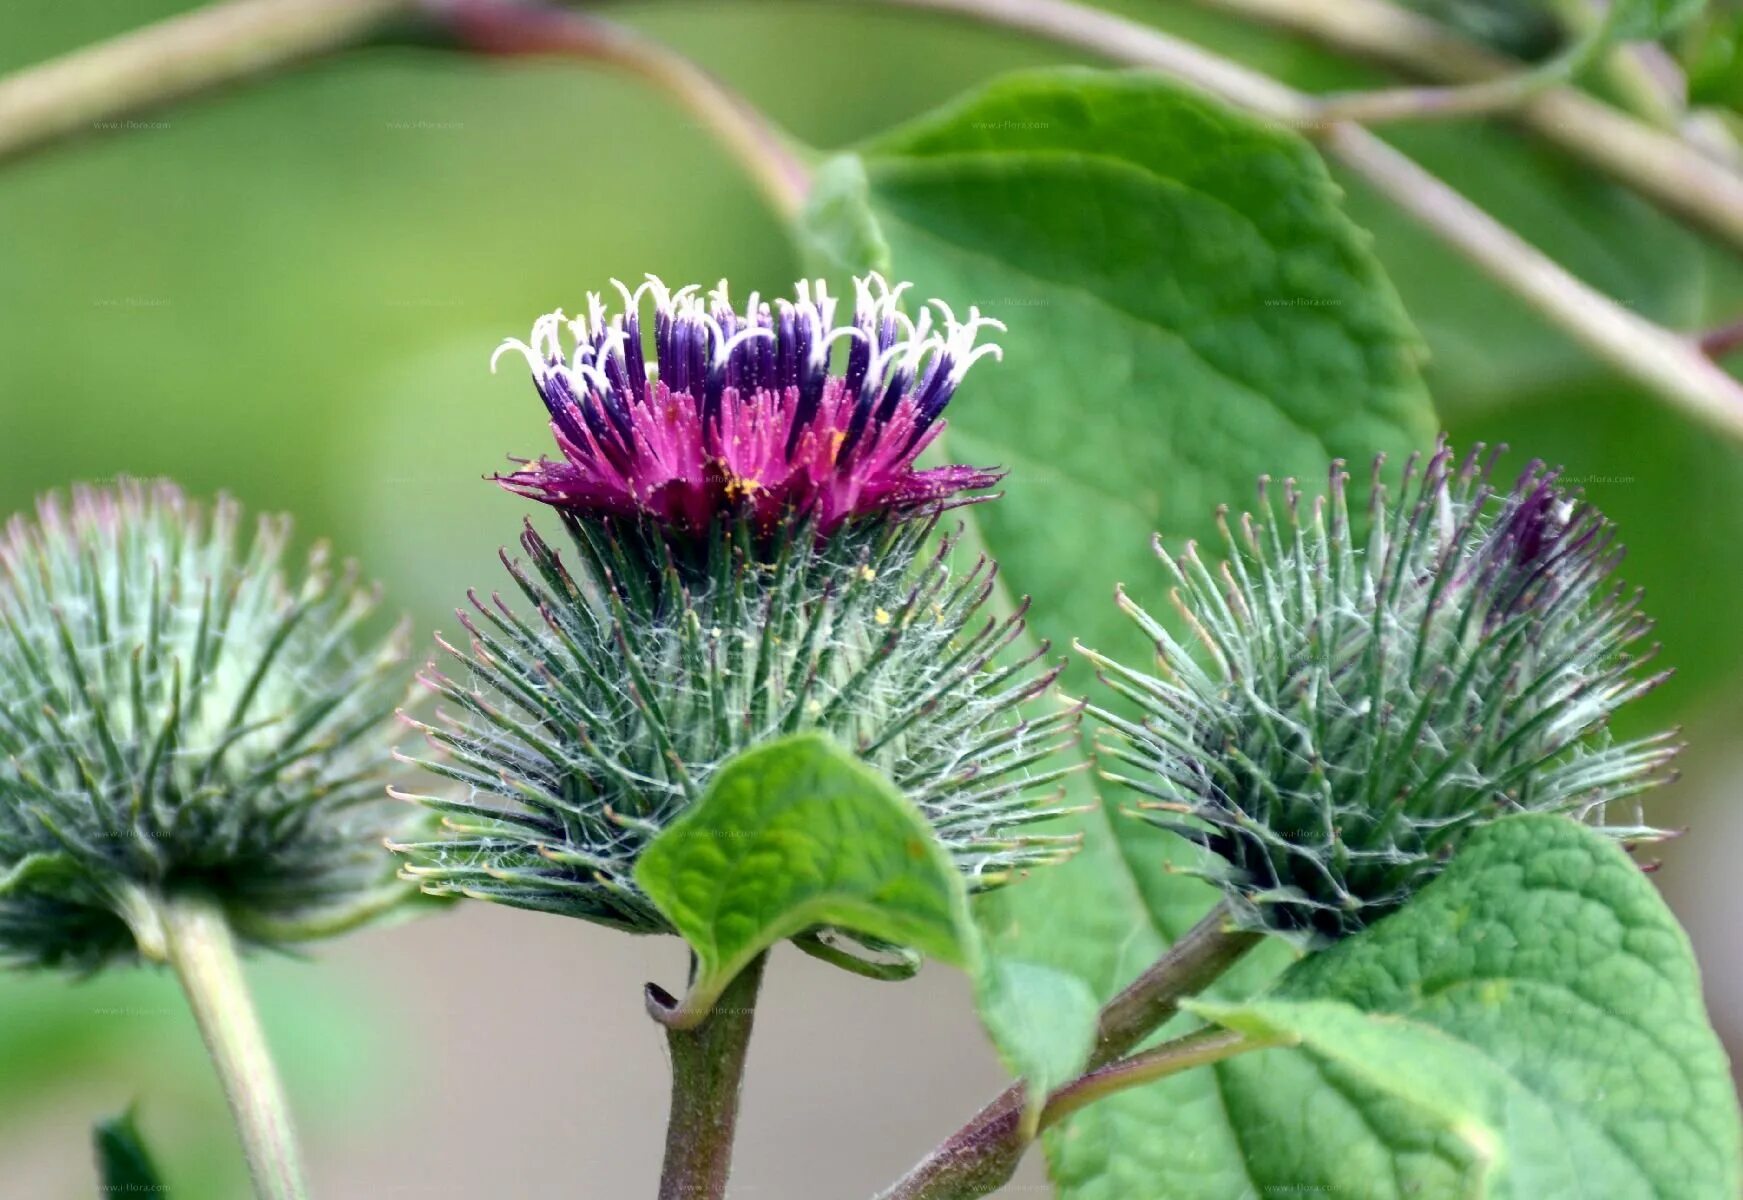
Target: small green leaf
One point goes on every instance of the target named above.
(124, 1165)
(1042, 1020)
(1532, 1020)
(795, 834)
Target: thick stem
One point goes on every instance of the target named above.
(707, 1074)
(983, 1155)
(199, 945)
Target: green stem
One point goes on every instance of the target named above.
(982, 1156)
(198, 944)
(707, 1075)
(1197, 1049)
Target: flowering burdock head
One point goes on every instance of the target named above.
(1349, 713)
(740, 417)
(753, 554)
(179, 712)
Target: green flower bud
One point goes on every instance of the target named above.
(583, 731)
(177, 712)
(1351, 712)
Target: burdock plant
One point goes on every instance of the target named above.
(1345, 712)
(191, 740)
(753, 555)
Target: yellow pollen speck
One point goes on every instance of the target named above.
(867, 574)
(881, 617)
(835, 441)
(738, 486)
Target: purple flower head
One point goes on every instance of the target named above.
(1545, 542)
(740, 417)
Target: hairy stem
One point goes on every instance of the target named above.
(1665, 362)
(707, 1075)
(507, 27)
(982, 1155)
(197, 942)
(178, 57)
(1681, 178)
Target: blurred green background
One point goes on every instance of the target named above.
(291, 291)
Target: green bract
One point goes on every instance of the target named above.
(1353, 711)
(583, 732)
(178, 712)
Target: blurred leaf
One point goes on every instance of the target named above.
(123, 1162)
(1188, 309)
(129, 1030)
(793, 834)
(1641, 20)
(1530, 1025)
(1712, 55)
(1043, 1021)
(1519, 27)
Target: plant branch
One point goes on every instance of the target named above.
(1484, 98)
(1197, 1049)
(94, 87)
(982, 1155)
(1199, 958)
(504, 27)
(1649, 354)
(197, 942)
(1661, 166)
(707, 1074)
(1664, 361)
(1642, 76)
(182, 56)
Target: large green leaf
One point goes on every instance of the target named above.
(795, 834)
(1188, 309)
(1530, 1026)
